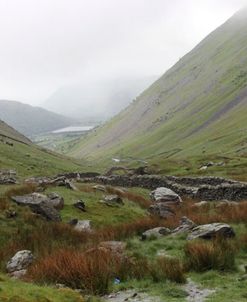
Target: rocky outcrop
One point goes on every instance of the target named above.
(18, 264)
(205, 188)
(155, 233)
(8, 177)
(41, 204)
(209, 231)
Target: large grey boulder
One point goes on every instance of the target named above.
(161, 210)
(165, 195)
(155, 233)
(209, 231)
(46, 210)
(20, 261)
(41, 204)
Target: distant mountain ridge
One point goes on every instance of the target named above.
(197, 107)
(97, 100)
(30, 120)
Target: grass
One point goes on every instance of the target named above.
(17, 291)
(30, 160)
(47, 240)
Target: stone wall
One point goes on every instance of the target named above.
(207, 188)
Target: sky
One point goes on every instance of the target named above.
(48, 44)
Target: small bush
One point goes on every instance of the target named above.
(218, 254)
(90, 272)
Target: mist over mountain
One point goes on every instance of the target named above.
(198, 106)
(97, 100)
(30, 120)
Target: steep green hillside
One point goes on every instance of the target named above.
(198, 108)
(31, 120)
(18, 153)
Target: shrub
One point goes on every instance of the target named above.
(168, 268)
(218, 254)
(94, 270)
(74, 269)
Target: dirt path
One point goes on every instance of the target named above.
(131, 296)
(195, 293)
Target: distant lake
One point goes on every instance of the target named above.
(73, 129)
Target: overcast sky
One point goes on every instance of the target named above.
(46, 44)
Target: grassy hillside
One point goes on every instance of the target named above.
(31, 120)
(17, 152)
(197, 109)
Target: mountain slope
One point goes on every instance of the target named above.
(197, 107)
(17, 152)
(31, 120)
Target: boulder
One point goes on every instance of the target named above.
(209, 231)
(156, 233)
(161, 209)
(46, 210)
(41, 204)
(81, 225)
(112, 200)
(186, 225)
(80, 204)
(165, 195)
(20, 261)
